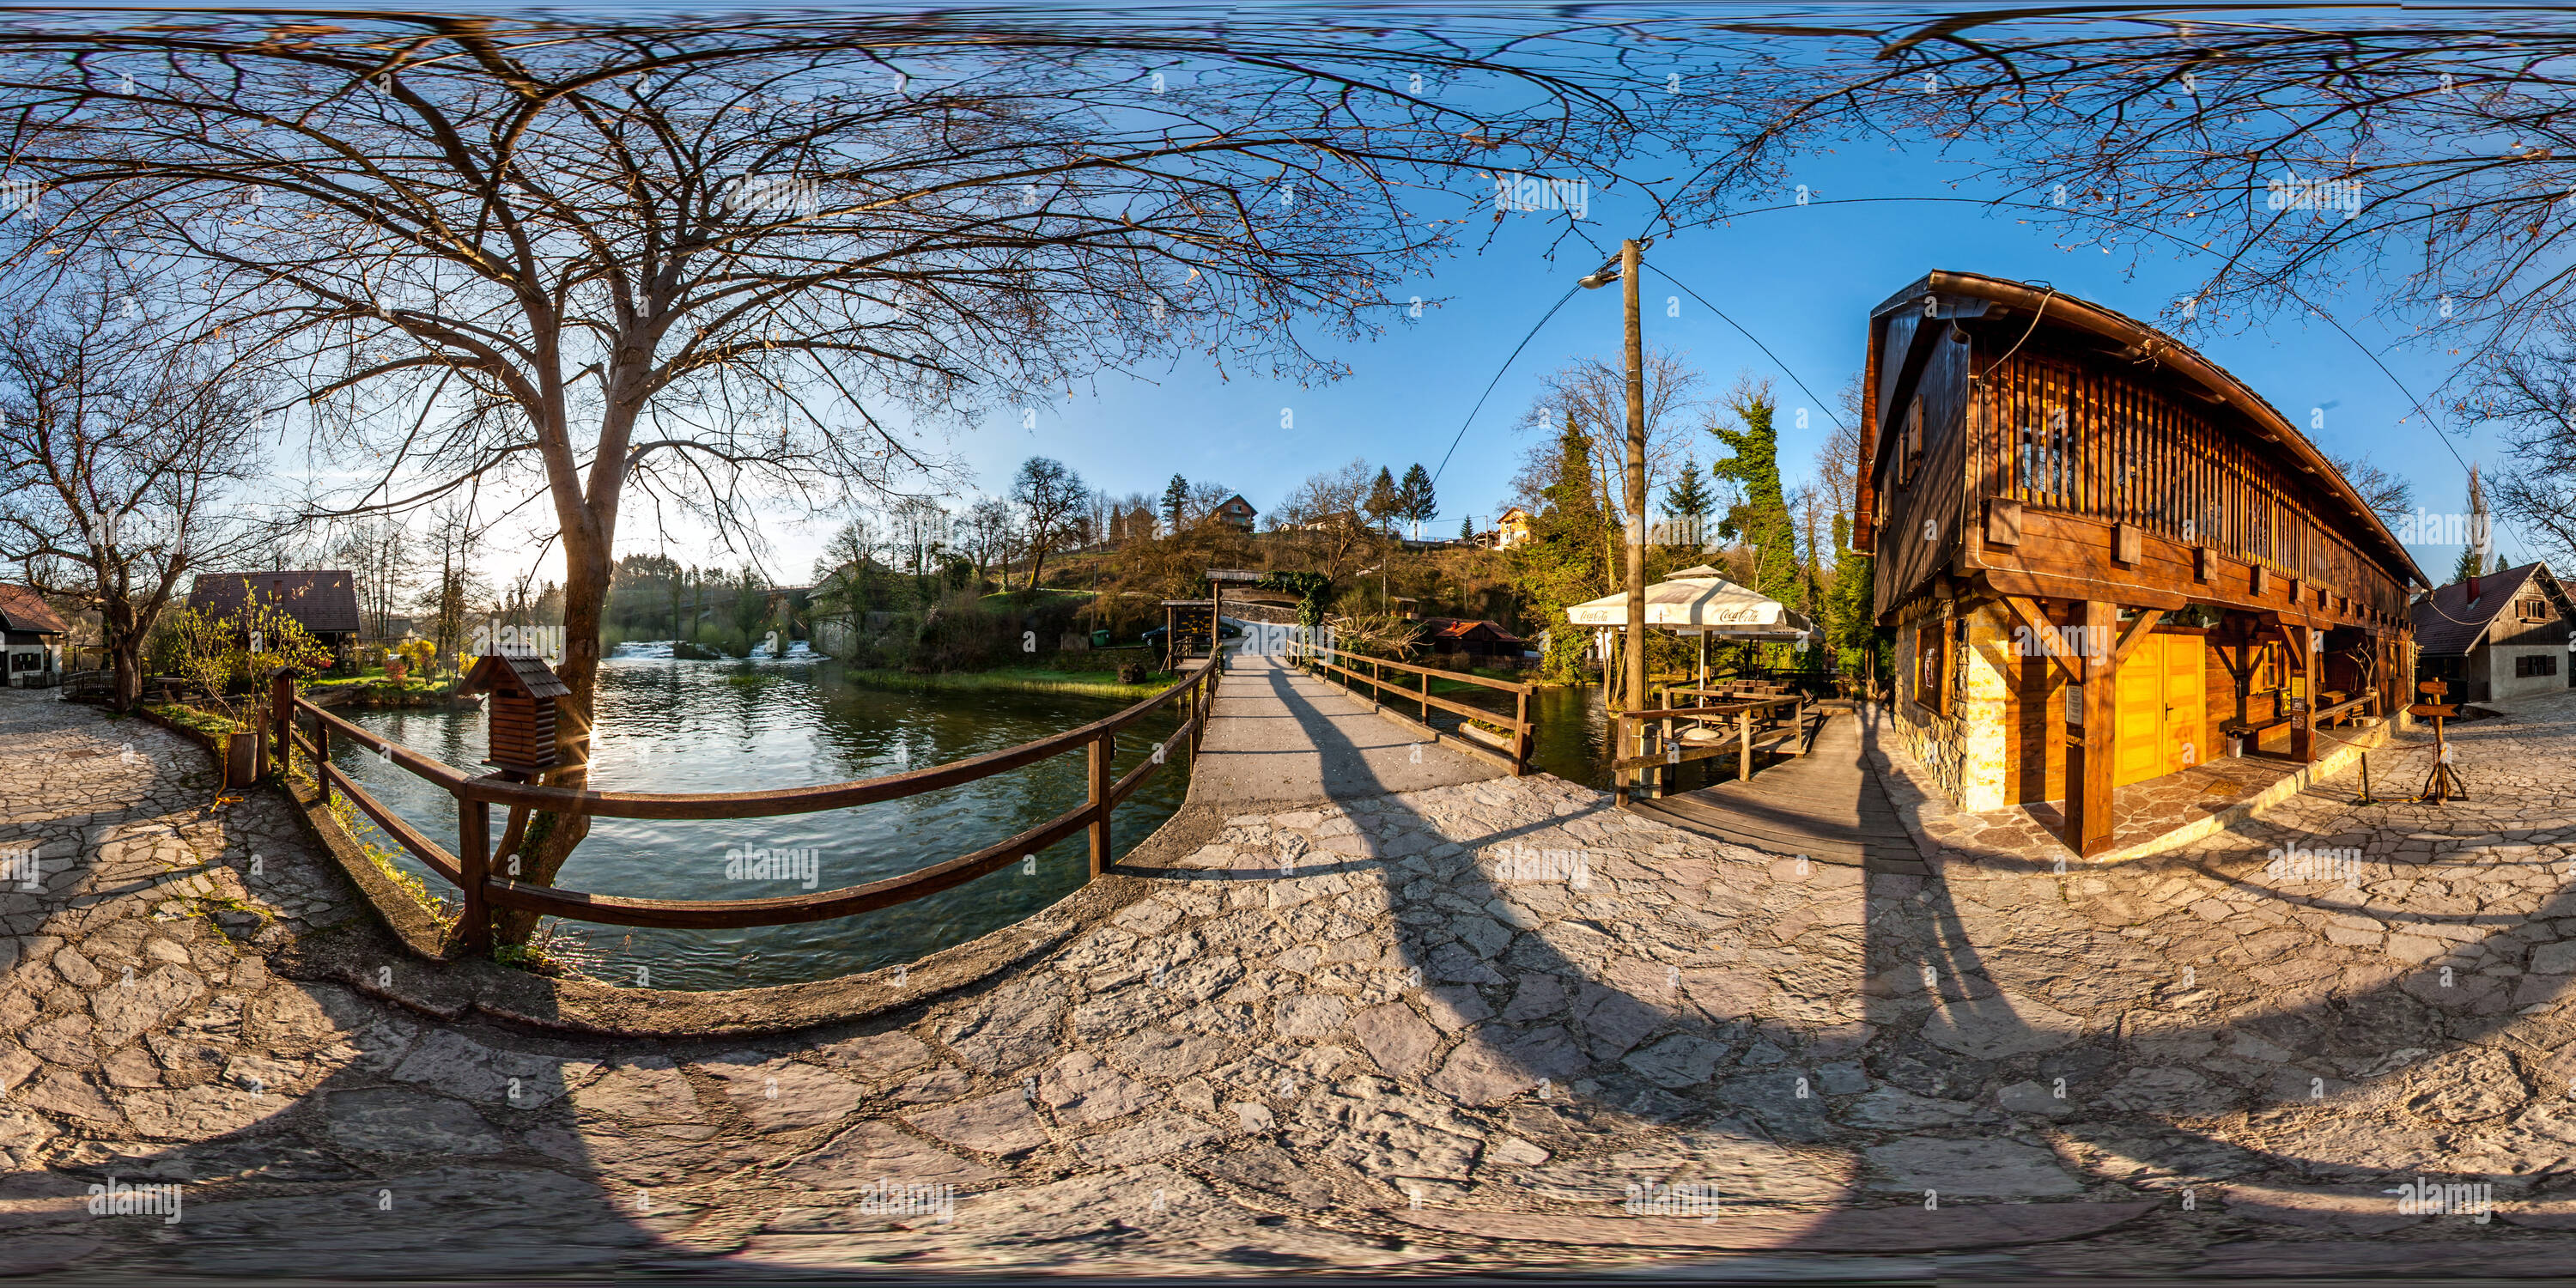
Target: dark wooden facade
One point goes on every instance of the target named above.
(2035, 463)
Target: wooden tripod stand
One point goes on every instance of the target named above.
(2443, 783)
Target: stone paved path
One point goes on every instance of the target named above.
(1502, 1001)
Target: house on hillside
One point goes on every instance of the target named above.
(1235, 512)
(1512, 529)
(2499, 635)
(31, 638)
(323, 602)
(2105, 559)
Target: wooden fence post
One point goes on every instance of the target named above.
(474, 864)
(1744, 744)
(281, 711)
(1100, 751)
(1520, 733)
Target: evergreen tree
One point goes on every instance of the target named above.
(1691, 500)
(1176, 503)
(2473, 555)
(1420, 506)
(1762, 520)
(1467, 529)
(1385, 504)
(1847, 625)
(1567, 559)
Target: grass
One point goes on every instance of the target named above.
(187, 717)
(1015, 679)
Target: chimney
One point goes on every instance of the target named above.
(2474, 579)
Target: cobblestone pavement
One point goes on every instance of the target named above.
(1466, 1027)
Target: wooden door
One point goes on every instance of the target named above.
(2159, 693)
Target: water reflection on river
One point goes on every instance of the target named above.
(729, 726)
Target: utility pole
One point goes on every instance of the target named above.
(1631, 255)
(1631, 258)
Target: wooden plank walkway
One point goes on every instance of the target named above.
(1826, 804)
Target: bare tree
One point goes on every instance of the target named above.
(1323, 516)
(1595, 391)
(2536, 395)
(987, 535)
(700, 261)
(122, 438)
(378, 553)
(1050, 498)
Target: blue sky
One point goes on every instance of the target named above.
(1801, 278)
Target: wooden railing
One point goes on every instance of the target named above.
(1516, 727)
(1758, 723)
(469, 867)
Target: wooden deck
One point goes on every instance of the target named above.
(1826, 805)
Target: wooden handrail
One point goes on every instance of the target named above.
(783, 910)
(411, 838)
(1416, 695)
(1508, 686)
(475, 795)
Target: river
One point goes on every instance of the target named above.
(689, 726)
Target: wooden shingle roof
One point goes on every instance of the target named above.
(323, 601)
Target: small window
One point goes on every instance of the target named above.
(2537, 664)
(1911, 444)
(1931, 668)
(2533, 610)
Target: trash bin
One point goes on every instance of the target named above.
(1100, 639)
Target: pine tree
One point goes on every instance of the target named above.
(1567, 559)
(1690, 499)
(2473, 555)
(1385, 504)
(1420, 505)
(1467, 529)
(1176, 503)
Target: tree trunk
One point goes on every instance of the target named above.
(128, 667)
(549, 839)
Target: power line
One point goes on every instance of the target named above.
(1498, 379)
(2133, 226)
(1757, 342)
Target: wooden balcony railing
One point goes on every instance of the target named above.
(469, 867)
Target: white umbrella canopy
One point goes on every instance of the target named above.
(1700, 601)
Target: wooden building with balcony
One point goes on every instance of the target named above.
(2104, 558)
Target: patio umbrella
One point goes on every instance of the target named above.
(1701, 601)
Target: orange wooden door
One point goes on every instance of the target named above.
(2186, 701)
(2160, 700)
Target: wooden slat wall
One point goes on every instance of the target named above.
(2131, 455)
(1940, 488)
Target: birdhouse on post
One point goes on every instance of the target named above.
(522, 709)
